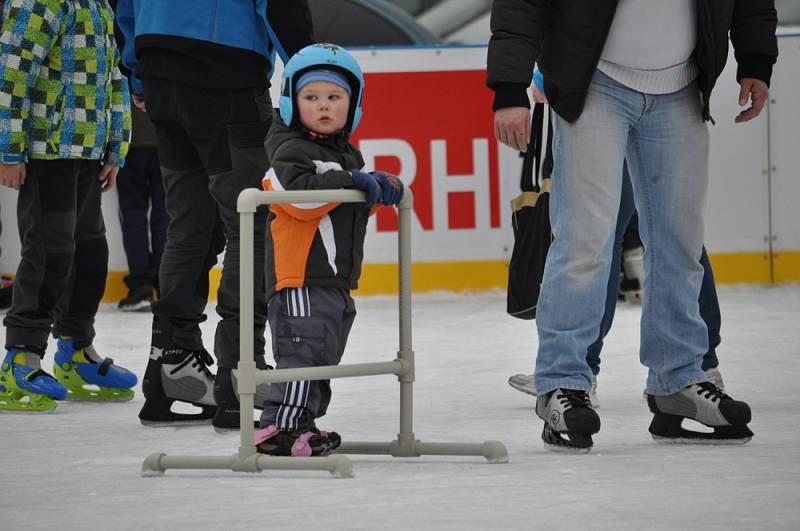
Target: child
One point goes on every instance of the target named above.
(317, 248)
(64, 129)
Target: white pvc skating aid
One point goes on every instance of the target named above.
(406, 445)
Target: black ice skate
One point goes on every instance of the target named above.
(226, 395)
(177, 375)
(705, 403)
(567, 412)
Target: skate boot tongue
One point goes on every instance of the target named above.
(89, 354)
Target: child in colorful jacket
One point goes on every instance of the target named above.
(64, 129)
(316, 249)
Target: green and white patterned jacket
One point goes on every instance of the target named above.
(62, 95)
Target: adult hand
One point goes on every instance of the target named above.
(139, 102)
(512, 127)
(108, 176)
(12, 175)
(368, 183)
(756, 92)
(391, 188)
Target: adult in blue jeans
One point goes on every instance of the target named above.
(628, 81)
(709, 306)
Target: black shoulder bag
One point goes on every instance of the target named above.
(530, 219)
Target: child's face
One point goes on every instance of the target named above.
(323, 107)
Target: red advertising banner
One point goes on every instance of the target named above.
(434, 130)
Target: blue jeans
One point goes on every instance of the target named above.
(665, 143)
(709, 304)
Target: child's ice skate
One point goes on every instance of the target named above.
(89, 377)
(177, 375)
(302, 442)
(226, 395)
(705, 403)
(25, 387)
(567, 412)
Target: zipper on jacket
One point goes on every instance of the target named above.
(710, 74)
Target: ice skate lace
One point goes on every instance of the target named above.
(573, 398)
(200, 360)
(709, 390)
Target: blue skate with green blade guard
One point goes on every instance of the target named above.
(88, 377)
(26, 388)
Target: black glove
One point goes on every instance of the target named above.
(368, 183)
(391, 188)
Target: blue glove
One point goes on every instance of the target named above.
(368, 183)
(391, 188)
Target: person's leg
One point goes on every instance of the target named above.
(159, 220)
(584, 206)
(343, 311)
(228, 130)
(46, 217)
(709, 312)
(245, 168)
(74, 316)
(587, 185)
(626, 211)
(190, 250)
(133, 193)
(178, 364)
(307, 326)
(668, 163)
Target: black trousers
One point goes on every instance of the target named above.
(210, 144)
(142, 215)
(62, 273)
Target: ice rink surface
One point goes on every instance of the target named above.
(79, 468)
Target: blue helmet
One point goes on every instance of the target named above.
(329, 56)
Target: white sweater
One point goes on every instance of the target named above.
(650, 44)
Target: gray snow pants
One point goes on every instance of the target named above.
(309, 328)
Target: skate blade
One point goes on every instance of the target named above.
(528, 390)
(103, 394)
(565, 449)
(158, 413)
(557, 442)
(700, 439)
(21, 403)
(175, 423)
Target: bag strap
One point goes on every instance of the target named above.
(532, 163)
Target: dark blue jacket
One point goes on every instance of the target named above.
(221, 44)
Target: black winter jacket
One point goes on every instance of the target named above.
(313, 244)
(566, 38)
